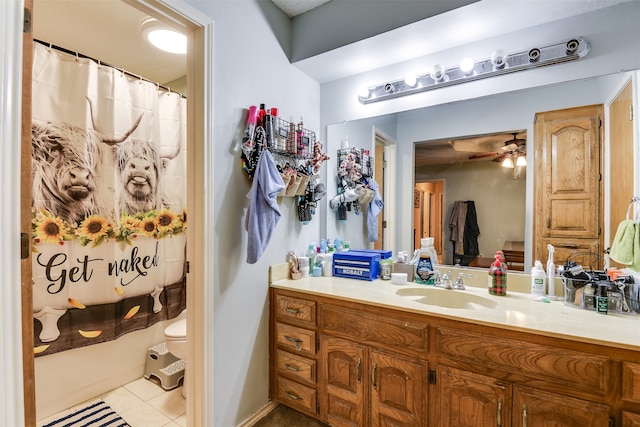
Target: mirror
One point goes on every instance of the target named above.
(471, 181)
(510, 112)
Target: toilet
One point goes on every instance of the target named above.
(175, 336)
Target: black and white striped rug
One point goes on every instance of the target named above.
(96, 414)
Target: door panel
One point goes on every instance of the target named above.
(621, 118)
(345, 379)
(541, 409)
(397, 396)
(467, 399)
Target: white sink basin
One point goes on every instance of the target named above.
(447, 298)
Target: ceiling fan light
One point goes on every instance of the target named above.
(521, 160)
(507, 162)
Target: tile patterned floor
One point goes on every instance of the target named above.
(142, 403)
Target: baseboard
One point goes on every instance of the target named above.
(266, 410)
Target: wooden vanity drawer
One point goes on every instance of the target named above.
(631, 382)
(296, 339)
(292, 365)
(554, 365)
(392, 331)
(296, 309)
(296, 395)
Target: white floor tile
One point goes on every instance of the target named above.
(181, 420)
(122, 400)
(170, 403)
(145, 389)
(145, 416)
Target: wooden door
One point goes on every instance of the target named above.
(467, 399)
(345, 379)
(398, 396)
(25, 222)
(621, 179)
(568, 192)
(536, 408)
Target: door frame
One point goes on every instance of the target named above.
(11, 370)
(200, 29)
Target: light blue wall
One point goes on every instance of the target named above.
(250, 67)
(494, 104)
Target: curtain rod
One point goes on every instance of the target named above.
(122, 70)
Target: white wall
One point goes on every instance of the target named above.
(249, 68)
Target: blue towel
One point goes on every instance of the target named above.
(373, 211)
(263, 213)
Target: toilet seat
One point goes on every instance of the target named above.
(176, 331)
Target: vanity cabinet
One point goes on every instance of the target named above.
(356, 375)
(631, 394)
(380, 366)
(468, 399)
(568, 184)
(293, 373)
(373, 375)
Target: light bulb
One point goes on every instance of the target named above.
(437, 72)
(499, 58)
(507, 162)
(521, 160)
(466, 66)
(410, 80)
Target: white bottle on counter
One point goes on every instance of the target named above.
(538, 280)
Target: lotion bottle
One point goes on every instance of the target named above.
(538, 280)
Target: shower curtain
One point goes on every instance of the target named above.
(108, 202)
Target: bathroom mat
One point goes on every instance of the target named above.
(95, 414)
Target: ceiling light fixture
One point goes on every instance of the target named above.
(500, 63)
(163, 37)
(507, 162)
(466, 66)
(521, 160)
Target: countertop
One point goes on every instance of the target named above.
(515, 311)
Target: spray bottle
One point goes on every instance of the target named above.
(551, 271)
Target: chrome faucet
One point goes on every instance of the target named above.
(459, 285)
(443, 281)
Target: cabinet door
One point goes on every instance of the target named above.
(535, 408)
(398, 396)
(630, 419)
(471, 400)
(344, 375)
(567, 182)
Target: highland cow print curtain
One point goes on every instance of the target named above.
(109, 202)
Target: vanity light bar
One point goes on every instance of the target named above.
(558, 53)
